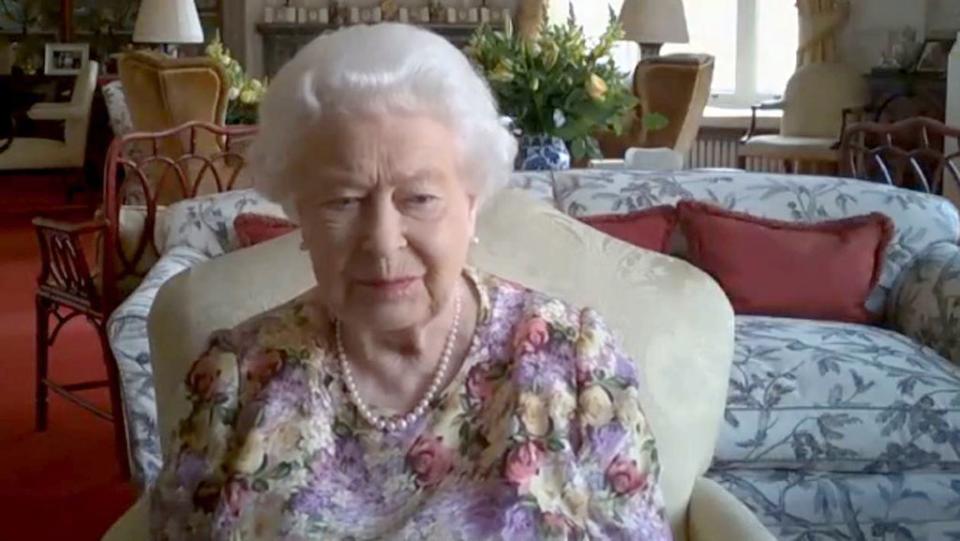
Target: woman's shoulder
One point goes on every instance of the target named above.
(508, 298)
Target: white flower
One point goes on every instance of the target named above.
(533, 414)
(596, 406)
(234, 93)
(562, 404)
(628, 410)
(559, 119)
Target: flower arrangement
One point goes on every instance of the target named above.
(552, 83)
(245, 92)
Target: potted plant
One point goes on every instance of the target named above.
(558, 90)
(245, 92)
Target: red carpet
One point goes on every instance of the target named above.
(64, 483)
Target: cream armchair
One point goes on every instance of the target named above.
(672, 318)
(818, 102)
(29, 153)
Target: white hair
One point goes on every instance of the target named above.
(380, 69)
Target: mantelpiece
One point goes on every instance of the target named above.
(281, 41)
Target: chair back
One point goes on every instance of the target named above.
(163, 93)
(672, 319)
(139, 172)
(907, 154)
(77, 126)
(676, 86)
(816, 97)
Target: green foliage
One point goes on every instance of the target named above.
(245, 92)
(556, 83)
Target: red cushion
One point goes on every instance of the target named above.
(649, 228)
(769, 267)
(255, 228)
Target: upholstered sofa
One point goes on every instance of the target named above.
(831, 430)
(684, 349)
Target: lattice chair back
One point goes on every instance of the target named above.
(138, 171)
(917, 153)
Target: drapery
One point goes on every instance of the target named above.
(820, 23)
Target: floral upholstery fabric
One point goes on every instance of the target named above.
(206, 223)
(920, 219)
(828, 506)
(127, 334)
(926, 305)
(838, 397)
(539, 436)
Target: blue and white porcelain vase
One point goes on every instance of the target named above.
(542, 153)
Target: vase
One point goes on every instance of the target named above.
(542, 153)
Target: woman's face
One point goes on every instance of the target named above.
(386, 217)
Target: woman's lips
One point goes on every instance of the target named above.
(389, 287)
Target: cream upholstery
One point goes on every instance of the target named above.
(36, 153)
(672, 318)
(813, 109)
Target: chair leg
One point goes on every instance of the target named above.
(43, 348)
(116, 401)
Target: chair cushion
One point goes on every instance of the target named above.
(821, 506)
(825, 270)
(253, 228)
(838, 397)
(787, 147)
(650, 229)
(36, 153)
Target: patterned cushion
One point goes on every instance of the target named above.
(920, 219)
(839, 397)
(815, 506)
(538, 184)
(117, 111)
(206, 223)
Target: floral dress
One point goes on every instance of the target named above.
(539, 436)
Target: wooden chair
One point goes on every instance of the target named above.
(908, 154)
(74, 284)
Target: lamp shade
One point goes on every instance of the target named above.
(654, 21)
(168, 21)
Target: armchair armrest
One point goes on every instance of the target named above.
(134, 525)
(65, 268)
(925, 305)
(716, 515)
(769, 105)
(56, 111)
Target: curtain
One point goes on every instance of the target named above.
(820, 22)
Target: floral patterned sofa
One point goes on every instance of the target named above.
(833, 430)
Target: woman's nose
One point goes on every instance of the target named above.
(382, 228)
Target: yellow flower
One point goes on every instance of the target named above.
(596, 87)
(628, 410)
(562, 404)
(249, 457)
(588, 344)
(577, 501)
(501, 73)
(596, 407)
(533, 414)
(248, 97)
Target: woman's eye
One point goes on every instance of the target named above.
(421, 199)
(342, 203)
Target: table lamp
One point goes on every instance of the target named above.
(651, 23)
(168, 23)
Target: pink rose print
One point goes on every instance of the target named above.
(556, 522)
(523, 462)
(204, 376)
(236, 495)
(532, 335)
(262, 366)
(430, 460)
(623, 476)
(479, 386)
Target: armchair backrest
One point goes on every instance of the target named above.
(816, 97)
(673, 320)
(77, 124)
(163, 93)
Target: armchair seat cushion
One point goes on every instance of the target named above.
(838, 397)
(826, 505)
(36, 153)
(788, 147)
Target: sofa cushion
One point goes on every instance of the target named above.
(824, 270)
(824, 505)
(650, 229)
(837, 397)
(253, 228)
(206, 223)
(920, 219)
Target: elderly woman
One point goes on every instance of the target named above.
(406, 396)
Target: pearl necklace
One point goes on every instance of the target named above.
(400, 422)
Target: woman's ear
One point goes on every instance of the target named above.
(473, 209)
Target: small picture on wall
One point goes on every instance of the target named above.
(65, 58)
(934, 55)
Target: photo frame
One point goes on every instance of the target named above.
(933, 56)
(65, 58)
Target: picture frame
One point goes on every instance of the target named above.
(934, 56)
(65, 58)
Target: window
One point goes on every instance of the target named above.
(754, 42)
